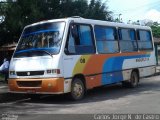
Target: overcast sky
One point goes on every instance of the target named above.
(135, 9)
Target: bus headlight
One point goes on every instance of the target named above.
(49, 71)
(12, 73)
(53, 71)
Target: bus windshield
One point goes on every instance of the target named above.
(43, 37)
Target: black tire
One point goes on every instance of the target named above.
(77, 89)
(133, 82)
(134, 79)
(125, 84)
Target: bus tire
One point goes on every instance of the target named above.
(133, 82)
(77, 89)
(134, 79)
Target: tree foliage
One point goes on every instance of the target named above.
(156, 29)
(98, 10)
(20, 13)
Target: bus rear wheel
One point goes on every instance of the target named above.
(134, 79)
(77, 89)
(133, 82)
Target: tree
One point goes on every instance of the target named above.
(73, 8)
(98, 10)
(19, 13)
(156, 29)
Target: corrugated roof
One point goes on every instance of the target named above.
(156, 40)
(7, 47)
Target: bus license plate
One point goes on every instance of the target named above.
(31, 91)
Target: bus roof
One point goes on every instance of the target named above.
(78, 19)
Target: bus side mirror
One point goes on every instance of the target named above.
(74, 31)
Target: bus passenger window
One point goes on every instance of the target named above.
(144, 40)
(82, 42)
(106, 39)
(127, 40)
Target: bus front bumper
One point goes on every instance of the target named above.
(37, 86)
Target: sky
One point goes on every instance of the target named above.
(135, 9)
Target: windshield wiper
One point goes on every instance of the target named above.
(45, 52)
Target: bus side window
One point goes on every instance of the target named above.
(106, 39)
(127, 40)
(80, 40)
(144, 40)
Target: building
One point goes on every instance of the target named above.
(6, 51)
(157, 49)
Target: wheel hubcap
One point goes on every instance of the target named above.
(77, 90)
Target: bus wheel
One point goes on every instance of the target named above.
(77, 89)
(134, 79)
(133, 82)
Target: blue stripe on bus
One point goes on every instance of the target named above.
(41, 31)
(34, 49)
(115, 64)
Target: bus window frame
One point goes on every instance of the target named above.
(68, 34)
(137, 34)
(117, 37)
(136, 39)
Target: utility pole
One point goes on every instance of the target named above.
(120, 17)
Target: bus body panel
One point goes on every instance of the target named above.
(103, 69)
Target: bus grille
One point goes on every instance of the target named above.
(29, 83)
(30, 73)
